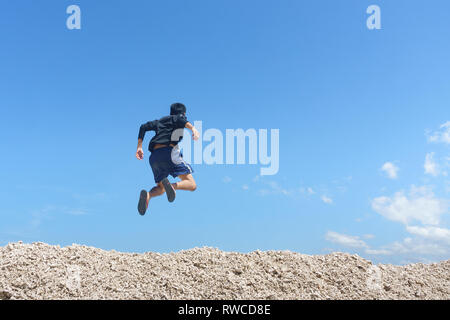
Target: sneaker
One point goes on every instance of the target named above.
(170, 191)
(142, 205)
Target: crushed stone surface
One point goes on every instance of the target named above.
(42, 271)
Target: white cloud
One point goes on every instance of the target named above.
(345, 240)
(390, 169)
(326, 199)
(430, 233)
(45, 213)
(274, 187)
(226, 179)
(429, 242)
(420, 205)
(245, 187)
(309, 191)
(430, 166)
(76, 212)
(413, 247)
(441, 135)
(378, 252)
(418, 209)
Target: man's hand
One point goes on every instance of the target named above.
(195, 134)
(140, 154)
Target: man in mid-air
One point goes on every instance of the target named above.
(165, 157)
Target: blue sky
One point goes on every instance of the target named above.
(348, 102)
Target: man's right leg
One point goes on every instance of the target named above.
(155, 192)
(146, 196)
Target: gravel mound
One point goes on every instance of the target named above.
(42, 271)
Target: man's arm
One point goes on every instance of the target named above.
(195, 134)
(151, 125)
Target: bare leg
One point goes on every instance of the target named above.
(187, 183)
(155, 192)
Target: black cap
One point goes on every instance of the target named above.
(177, 108)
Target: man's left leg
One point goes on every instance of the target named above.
(187, 183)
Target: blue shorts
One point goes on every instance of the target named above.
(168, 160)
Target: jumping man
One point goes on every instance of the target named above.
(165, 157)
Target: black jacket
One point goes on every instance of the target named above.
(164, 129)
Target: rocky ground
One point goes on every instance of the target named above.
(41, 271)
